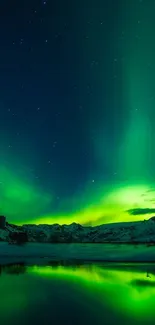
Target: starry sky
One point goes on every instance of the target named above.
(77, 102)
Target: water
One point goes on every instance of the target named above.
(32, 252)
(79, 294)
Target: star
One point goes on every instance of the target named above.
(54, 144)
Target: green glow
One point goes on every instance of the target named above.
(127, 290)
(138, 79)
(123, 289)
(22, 202)
(19, 199)
(110, 207)
(15, 302)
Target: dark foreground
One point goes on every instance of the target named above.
(77, 294)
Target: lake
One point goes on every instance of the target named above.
(37, 253)
(90, 294)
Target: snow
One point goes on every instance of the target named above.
(129, 232)
(75, 242)
(142, 231)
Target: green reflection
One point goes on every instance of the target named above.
(128, 289)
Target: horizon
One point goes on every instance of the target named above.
(83, 225)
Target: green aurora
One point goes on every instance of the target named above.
(22, 200)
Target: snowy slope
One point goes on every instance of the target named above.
(125, 232)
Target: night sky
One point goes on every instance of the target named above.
(77, 110)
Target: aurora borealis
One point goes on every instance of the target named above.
(77, 111)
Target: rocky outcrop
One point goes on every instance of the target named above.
(124, 232)
(2, 222)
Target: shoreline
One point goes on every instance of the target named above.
(34, 253)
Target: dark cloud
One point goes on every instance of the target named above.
(139, 211)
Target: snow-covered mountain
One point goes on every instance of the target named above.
(124, 232)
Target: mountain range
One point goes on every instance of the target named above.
(122, 232)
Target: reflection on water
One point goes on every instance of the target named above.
(79, 294)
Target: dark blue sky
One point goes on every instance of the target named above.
(54, 79)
